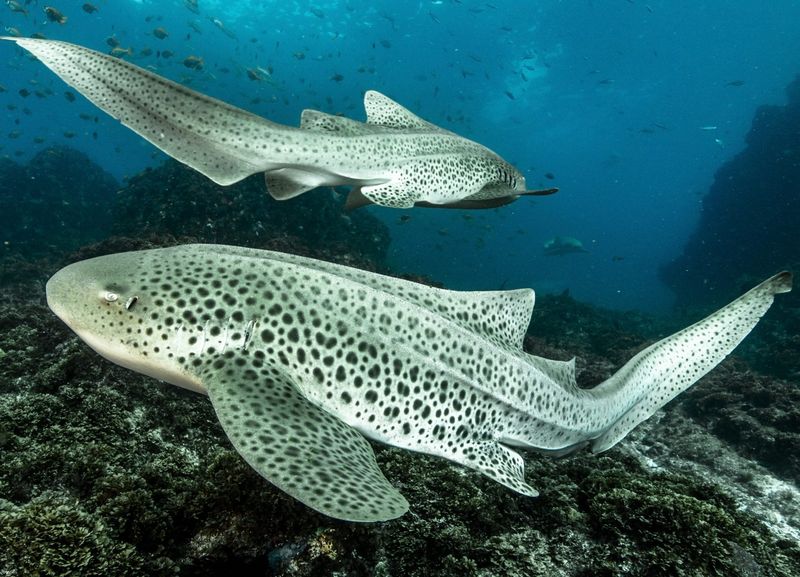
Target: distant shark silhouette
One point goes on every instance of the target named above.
(561, 245)
(302, 359)
(395, 159)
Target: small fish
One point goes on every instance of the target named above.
(254, 74)
(16, 7)
(735, 83)
(337, 77)
(70, 96)
(38, 139)
(69, 134)
(191, 5)
(510, 95)
(165, 54)
(160, 33)
(708, 128)
(221, 25)
(55, 15)
(386, 43)
(112, 41)
(89, 8)
(404, 218)
(317, 12)
(299, 55)
(193, 62)
(2, 88)
(119, 51)
(13, 31)
(24, 92)
(549, 176)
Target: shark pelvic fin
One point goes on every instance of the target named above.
(303, 450)
(355, 199)
(286, 183)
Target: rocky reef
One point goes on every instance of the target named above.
(176, 200)
(107, 472)
(748, 225)
(57, 202)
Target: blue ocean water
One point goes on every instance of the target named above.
(628, 106)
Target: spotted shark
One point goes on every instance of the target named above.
(303, 360)
(394, 159)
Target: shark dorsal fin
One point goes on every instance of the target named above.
(383, 111)
(324, 122)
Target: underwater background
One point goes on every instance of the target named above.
(673, 132)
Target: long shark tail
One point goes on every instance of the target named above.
(670, 366)
(208, 135)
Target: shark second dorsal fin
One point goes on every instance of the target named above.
(324, 122)
(303, 450)
(383, 111)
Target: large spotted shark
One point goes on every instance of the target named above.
(395, 159)
(303, 359)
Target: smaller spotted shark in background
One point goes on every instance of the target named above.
(395, 159)
(302, 359)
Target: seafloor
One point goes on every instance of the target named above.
(109, 473)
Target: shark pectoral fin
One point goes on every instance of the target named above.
(306, 452)
(286, 183)
(216, 139)
(468, 204)
(392, 194)
(499, 463)
(541, 192)
(670, 366)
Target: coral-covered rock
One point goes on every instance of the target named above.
(59, 201)
(173, 199)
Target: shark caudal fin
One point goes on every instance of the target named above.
(664, 369)
(218, 140)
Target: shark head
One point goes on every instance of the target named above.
(124, 309)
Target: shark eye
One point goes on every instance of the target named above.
(130, 302)
(110, 297)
